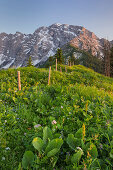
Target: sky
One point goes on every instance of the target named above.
(27, 15)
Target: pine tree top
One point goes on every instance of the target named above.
(29, 63)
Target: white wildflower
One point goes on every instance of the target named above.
(36, 126)
(79, 148)
(7, 148)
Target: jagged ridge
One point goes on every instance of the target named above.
(16, 48)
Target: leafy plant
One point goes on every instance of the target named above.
(77, 107)
(28, 159)
(47, 149)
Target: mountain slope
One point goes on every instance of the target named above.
(111, 42)
(16, 48)
(74, 98)
(88, 41)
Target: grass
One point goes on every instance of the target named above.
(80, 96)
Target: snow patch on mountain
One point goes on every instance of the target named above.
(43, 43)
(9, 64)
(2, 58)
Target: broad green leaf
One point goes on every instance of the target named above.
(72, 141)
(52, 152)
(28, 159)
(47, 134)
(79, 134)
(38, 143)
(93, 150)
(76, 157)
(55, 143)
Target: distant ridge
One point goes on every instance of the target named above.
(15, 49)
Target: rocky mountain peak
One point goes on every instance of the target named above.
(15, 49)
(87, 41)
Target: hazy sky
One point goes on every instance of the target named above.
(27, 15)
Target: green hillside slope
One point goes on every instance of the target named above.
(68, 124)
(82, 57)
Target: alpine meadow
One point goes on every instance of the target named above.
(67, 124)
(56, 85)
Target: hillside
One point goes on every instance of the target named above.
(67, 124)
(82, 57)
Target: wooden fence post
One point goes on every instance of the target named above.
(60, 69)
(19, 83)
(49, 75)
(56, 64)
(65, 69)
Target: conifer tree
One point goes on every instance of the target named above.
(59, 56)
(69, 61)
(73, 59)
(29, 64)
(50, 60)
(106, 52)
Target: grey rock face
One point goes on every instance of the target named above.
(15, 49)
(111, 42)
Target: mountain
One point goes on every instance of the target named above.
(111, 42)
(15, 49)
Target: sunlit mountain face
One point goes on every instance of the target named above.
(15, 49)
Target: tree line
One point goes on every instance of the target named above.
(108, 58)
(103, 64)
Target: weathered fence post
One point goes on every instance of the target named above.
(49, 75)
(60, 69)
(56, 64)
(65, 69)
(19, 83)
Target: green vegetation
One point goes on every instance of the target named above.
(59, 56)
(52, 59)
(85, 58)
(66, 55)
(29, 64)
(67, 125)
